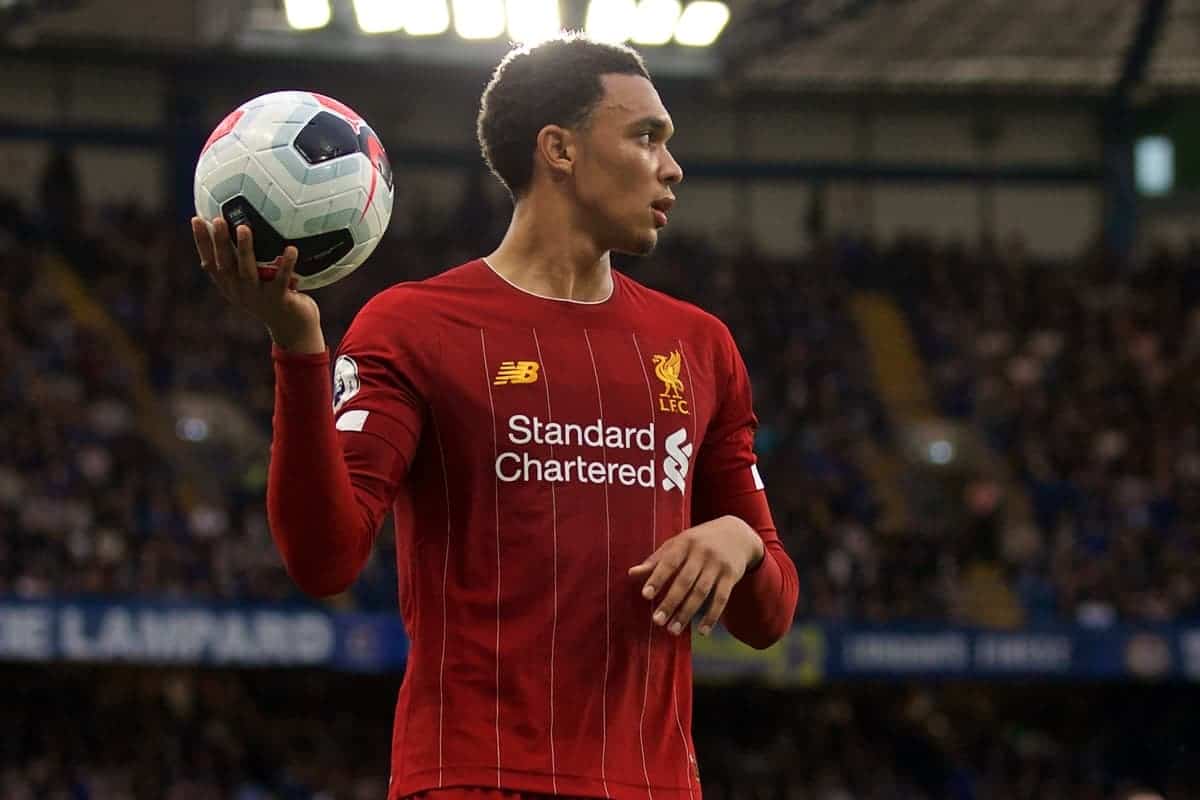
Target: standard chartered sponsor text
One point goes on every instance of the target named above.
(513, 466)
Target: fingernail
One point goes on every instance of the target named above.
(659, 617)
(647, 591)
(675, 628)
(705, 630)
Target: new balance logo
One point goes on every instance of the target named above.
(516, 372)
(675, 465)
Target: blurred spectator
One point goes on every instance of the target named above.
(1083, 378)
(275, 734)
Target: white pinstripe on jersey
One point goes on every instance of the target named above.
(674, 693)
(445, 572)
(487, 379)
(607, 571)
(554, 529)
(653, 547)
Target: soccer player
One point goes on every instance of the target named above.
(568, 456)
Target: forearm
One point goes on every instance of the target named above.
(298, 337)
(320, 529)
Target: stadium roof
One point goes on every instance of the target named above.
(1176, 61)
(890, 45)
(1048, 47)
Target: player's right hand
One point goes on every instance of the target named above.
(291, 316)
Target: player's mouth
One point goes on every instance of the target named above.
(661, 208)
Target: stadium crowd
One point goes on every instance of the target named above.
(89, 505)
(1079, 377)
(1083, 379)
(305, 735)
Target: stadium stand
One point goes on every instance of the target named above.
(1104, 447)
(253, 735)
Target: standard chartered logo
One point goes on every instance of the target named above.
(513, 466)
(613, 462)
(618, 468)
(675, 465)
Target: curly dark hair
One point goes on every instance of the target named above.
(555, 82)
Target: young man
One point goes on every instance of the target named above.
(568, 456)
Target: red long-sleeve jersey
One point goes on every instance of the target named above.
(532, 451)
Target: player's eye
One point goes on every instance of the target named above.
(645, 137)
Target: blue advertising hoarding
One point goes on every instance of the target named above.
(304, 636)
(184, 633)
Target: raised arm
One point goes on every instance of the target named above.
(331, 477)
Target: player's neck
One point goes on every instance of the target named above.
(546, 254)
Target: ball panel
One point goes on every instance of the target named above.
(265, 169)
(326, 137)
(337, 106)
(349, 166)
(285, 134)
(270, 209)
(300, 216)
(302, 115)
(289, 159)
(383, 204)
(251, 118)
(280, 105)
(204, 167)
(254, 189)
(323, 278)
(321, 251)
(359, 254)
(223, 129)
(268, 244)
(329, 213)
(370, 145)
(287, 210)
(332, 221)
(206, 207)
(225, 182)
(324, 182)
(366, 226)
(227, 149)
(315, 176)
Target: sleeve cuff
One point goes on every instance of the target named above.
(288, 357)
(764, 575)
(761, 561)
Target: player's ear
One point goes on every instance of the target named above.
(557, 149)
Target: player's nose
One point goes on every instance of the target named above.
(671, 173)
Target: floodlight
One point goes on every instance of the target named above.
(307, 15)
(655, 21)
(427, 17)
(379, 16)
(610, 20)
(701, 23)
(479, 19)
(533, 21)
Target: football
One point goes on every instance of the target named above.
(300, 169)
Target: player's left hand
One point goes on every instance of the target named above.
(706, 561)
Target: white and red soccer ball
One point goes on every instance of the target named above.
(300, 169)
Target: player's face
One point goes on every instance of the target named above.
(624, 173)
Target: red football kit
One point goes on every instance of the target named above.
(532, 451)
